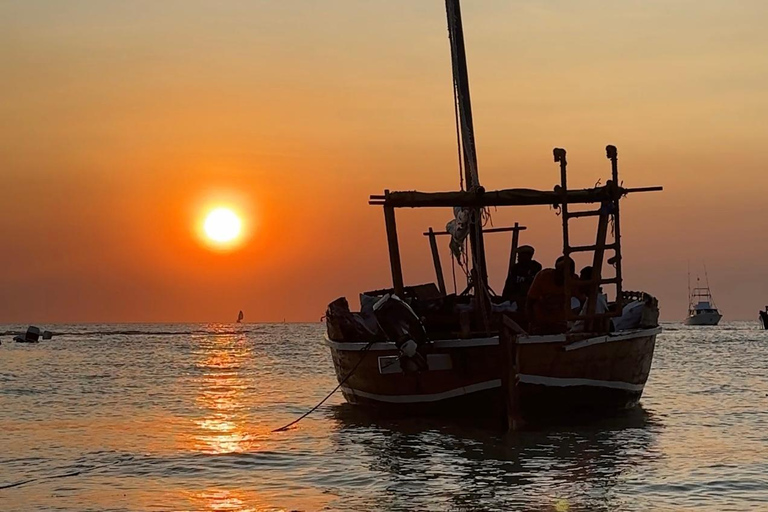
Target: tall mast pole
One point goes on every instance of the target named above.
(461, 83)
(461, 87)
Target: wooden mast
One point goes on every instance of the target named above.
(461, 89)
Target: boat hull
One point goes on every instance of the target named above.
(704, 319)
(764, 319)
(555, 375)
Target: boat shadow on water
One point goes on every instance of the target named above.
(578, 459)
(349, 417)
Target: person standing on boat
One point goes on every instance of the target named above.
(545, 304)
(521, 275)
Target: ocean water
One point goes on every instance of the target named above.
(179, 417)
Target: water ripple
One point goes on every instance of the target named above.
(179, 417)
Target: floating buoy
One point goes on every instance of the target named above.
(31, 336)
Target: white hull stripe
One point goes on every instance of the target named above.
(435, 397)
(613, 337)
(561, 382)
(494, 341)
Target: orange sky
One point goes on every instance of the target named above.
(121, 119)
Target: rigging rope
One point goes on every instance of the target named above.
(458, 134)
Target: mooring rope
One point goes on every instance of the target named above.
(329, 395)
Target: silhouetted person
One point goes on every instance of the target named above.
(585, 276)
(520, 277)
(546, 302)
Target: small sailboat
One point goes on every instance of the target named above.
(701, 306)
(764, 318)
(240, 317)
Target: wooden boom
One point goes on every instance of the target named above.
(505, 197)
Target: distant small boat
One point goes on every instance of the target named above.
(701, 306)
(240, 317)
(31, 336)
(764, 318)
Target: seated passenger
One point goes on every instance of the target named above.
(521, 276)
(585, 276)
(601, 304)
(546, 301)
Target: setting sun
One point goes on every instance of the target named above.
(222, 225)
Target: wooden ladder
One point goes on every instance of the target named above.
(610, 206)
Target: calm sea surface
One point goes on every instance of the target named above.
(178, 417)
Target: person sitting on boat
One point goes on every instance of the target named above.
(585, 289)
(585, 277)
(545, 304)
(521, 275)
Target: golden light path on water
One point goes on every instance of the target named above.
(223, 429)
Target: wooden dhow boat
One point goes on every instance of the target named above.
(418, 349)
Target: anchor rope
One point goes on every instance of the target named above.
(329, 395)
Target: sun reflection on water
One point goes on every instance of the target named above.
(223, 500)
(225, 392)
(223, 427)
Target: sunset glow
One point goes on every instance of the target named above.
(222, 226)
(681, 92)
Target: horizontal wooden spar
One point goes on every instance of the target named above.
(489, 230)
(506, 197)
(590, 248)
(587, 213)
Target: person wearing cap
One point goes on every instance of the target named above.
(521, 275)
